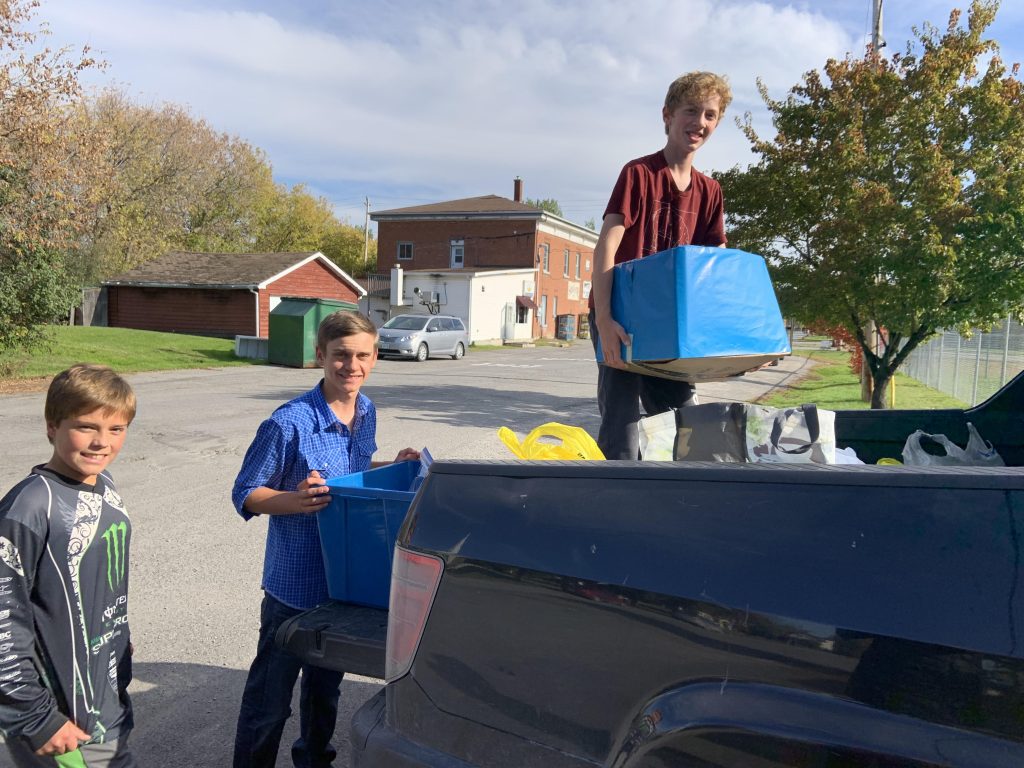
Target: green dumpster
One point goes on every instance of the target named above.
(293, 325)
(324, 307)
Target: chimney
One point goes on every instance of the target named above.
(517, 190)
(397, 286)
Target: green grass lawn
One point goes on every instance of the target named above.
(834, 386)
(123, 349)
(830, 385)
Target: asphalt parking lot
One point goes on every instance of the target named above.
(196, 566)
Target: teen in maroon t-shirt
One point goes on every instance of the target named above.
(659, 201)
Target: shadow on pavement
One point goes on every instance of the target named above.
(466, 406)
(480, 407)
(185, 715)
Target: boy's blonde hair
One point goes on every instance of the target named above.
(340, 324)
(698, 86)
(83, 388)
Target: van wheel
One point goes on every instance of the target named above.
(460, 351)
(421, 353)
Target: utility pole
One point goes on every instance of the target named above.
(877, 43)
(366, 232)
(870, 331)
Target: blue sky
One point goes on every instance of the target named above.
(407, 102)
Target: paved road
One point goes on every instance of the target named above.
(196, 566)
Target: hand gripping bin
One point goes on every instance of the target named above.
(698, 313)
(358, 531)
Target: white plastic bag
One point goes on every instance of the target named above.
(980, 451)
(977, 453)
(847, 456)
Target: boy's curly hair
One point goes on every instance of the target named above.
(698, 86)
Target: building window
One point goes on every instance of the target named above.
(577, 265)
(565, 263)
(542, 311)
(545, 257)
(405, 251)
(458, 251)
(554, 307)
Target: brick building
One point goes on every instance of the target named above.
(492, 232)
(221, 294)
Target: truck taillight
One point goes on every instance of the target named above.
(414, 580)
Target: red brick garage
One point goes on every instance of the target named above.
(221, 294)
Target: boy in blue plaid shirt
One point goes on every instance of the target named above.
(327, 432)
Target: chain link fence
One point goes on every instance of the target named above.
(973, 369)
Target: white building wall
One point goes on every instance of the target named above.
(484, 300)
(492, 293)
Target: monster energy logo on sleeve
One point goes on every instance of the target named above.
(116, 536)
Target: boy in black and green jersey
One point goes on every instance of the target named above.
(65, 653)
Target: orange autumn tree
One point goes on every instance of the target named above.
(47, 174)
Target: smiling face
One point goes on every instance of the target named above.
(690, 124)
(84, 445)
(347, 362)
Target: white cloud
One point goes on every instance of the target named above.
(414, 102)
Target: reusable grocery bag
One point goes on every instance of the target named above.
(802, 435)
(658, 437)
(711, 432)
(740, 432)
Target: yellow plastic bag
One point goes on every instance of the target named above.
(574, 443)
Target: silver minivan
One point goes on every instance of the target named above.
(420, 336)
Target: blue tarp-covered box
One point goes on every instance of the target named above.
(698, 313)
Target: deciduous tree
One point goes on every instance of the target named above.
(893, 192)
(46, 173)
(170, 182)
(297, 220)
(344, 245)
(548, 204)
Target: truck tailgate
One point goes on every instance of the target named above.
(340, 636)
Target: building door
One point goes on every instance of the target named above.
(458, 252)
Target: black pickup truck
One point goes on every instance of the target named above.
(628, 614)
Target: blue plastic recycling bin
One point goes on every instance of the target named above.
(358, 531)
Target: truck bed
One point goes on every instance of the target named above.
(688, 614)
(581, 601)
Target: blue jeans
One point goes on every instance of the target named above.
(266, 702)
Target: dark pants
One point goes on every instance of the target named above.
(266, 702)
(619, 397)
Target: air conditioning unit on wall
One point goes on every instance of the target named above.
(430, 299)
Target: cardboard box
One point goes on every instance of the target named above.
(358, 531)
(697, 313)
